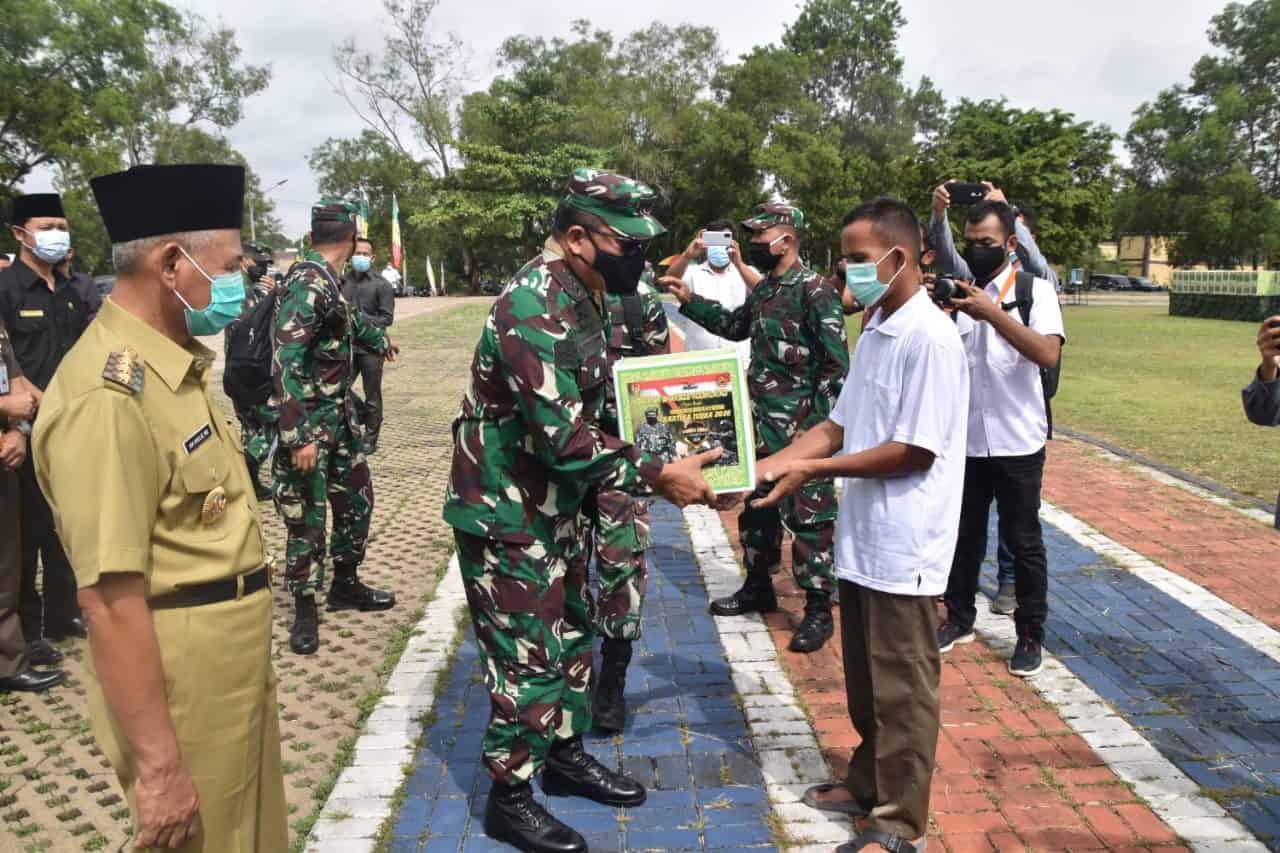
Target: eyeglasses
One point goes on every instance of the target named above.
(629, 246)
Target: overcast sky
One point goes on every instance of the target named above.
(1097, 58)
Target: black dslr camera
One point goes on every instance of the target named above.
(945, 289)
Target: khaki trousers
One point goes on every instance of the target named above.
(891, 672)
(222, 697)
(13, 658)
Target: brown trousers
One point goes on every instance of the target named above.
(13, 650)
(891, 673)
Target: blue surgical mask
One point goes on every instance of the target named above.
(864, 281)
(51, 246)
(361, 263)
(226, 299)
(718, 256)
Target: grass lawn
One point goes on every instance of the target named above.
(1167, 388)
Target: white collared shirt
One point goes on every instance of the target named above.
(907, 383)
(1006, 401)
(726, 287)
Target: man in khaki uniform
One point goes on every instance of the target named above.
(152, 497)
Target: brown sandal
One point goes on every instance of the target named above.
(850, 807)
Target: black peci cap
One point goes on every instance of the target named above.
(37, 204)
(149, 201)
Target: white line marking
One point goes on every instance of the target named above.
(361, 800)
(795, 762)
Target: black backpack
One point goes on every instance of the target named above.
(1049, 376)
(247, 376)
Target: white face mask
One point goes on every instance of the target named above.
(51, 246)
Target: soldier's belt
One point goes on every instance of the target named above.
(213, 592)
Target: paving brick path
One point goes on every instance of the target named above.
(686, 738)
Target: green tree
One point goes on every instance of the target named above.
(1062, 167)
(1205, 157)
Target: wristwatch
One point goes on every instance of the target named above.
(23, 427)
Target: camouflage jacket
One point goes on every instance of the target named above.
(528, 446)
(316, 333)
(655, 339)
(799, 350)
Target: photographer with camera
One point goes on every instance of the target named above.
(717, 272)
(1008, 343)
(952, 263)
(1262, 395)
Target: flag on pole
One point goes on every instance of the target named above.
(431, 278)
(397, 250)
(362, 216)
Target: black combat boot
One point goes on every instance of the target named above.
(609, 705)
(571, 771)
(817, 626)
(348, 593)
(260, 491)
(756, 596)
(513, 816)
(304, 636)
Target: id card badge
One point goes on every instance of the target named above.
(4, 379)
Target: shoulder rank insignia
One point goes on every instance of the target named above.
(124, 368)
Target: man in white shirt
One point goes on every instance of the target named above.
(897, 434)
(721, 276)
(1008, 427)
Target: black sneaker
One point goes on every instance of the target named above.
(1026, 660)
(951, 635)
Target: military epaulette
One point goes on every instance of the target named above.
(124, 370)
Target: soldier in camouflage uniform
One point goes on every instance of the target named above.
(528, 451)
(799, 359)
(655, 437)
(321, 438)
(621, 522)
(728, 439)
(257, 422)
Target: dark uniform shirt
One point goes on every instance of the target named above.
(373, 296)
(43, 324)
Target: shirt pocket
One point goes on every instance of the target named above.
(785, 342)
(202, 514)
(30, 321)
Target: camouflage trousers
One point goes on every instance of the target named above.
(257, 430)
(531, 612)
(810, 515)
(341, 477)
(620, 525)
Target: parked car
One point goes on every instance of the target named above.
(104, 283)
(1107, 281)
(1146, 285)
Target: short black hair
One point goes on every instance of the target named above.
(360, 240)
(892, 219)
(721, 225)
(980, 211)
(326, 232)
(926, 240)
(1028, 214)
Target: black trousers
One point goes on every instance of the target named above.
(49, 609)
(369, 367)
(1014, 482)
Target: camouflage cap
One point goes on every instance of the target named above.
(651, 413)
(334, 210)
(775, 213)
(621, 203)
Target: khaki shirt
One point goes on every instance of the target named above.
(134, 474)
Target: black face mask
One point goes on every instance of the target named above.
(257, 271)
(762, 257)
(984, 261)
(621, 273)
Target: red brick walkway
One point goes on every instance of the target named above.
(1011, 775)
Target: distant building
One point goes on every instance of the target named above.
(1147, 255)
